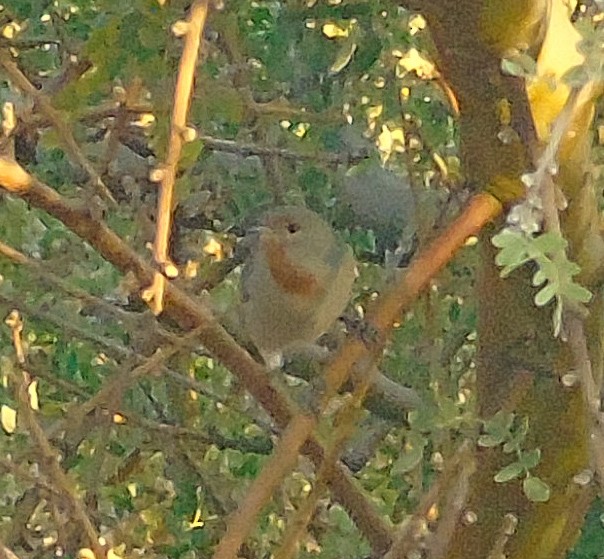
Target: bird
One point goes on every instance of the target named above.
(296, 281)
(371, 197)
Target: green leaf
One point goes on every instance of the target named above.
(536, 490)
(577, 76)
(363, 241)
(515, 442)
(489, 441)
(411, 456)
(539, 278)
(505, 238)
(500, 424)
(577, 293)
(509, 472)
(530, 459)
(549, 243)
(522, 65)
(514, 251)
(545, 295)
(344, 57)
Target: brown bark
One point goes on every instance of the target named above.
(516, 344)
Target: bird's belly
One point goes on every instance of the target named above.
(280, 322)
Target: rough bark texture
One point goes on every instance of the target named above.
(519, 361)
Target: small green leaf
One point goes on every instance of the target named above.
(448, 412)
(522, 66)
(489, 441)
(578, 293)
(190, 154)
(344, 57)
(511, 471)
(545, 295)
(363, 241)
(530, 459)
(536, 489)
(500, 424)
(577, 76)
(514, 251)
(499, 240)
(411, 456)
(549, 243)
(539, 278)
(514, 444)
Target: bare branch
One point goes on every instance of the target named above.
(451, 510)
(6, 553)
(182, 99)
(190, 313)
(280, 464)
(111, 393)
(345, 421)
(48, 455)
(574, 324)
(246, 150)
(69, 142)
(406, 539)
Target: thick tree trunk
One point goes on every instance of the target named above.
(519, 361)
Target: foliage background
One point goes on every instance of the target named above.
(161, 465)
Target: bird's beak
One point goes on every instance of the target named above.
(258, 230)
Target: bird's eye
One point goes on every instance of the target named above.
(293, 227)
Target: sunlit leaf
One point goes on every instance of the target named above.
(343, 58)
(536, 490)
(8, 418)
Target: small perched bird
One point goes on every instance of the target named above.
(297, 279)
(296, 282)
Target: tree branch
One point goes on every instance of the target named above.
(69, 142)
(190, 313)
(48, 456)
(165, 203)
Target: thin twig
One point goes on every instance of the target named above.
(114, 349)
(70, 327)
(10, 467)
(29, 43)
(406, 539)
(165, 204)
(65, 135)
(456, 500)
(6, 553)
(123, 352)
(42, 273)
(506, 531)
(256, 445)
(280, 464)
(94, 115)
(345, 420)
(119, 125)
(246, 150)
(595, 418)
(48, 455)
(189, 312)
(111, 393)
(117, 350)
